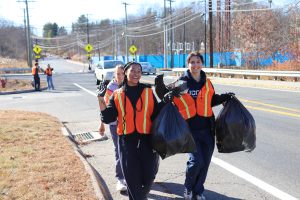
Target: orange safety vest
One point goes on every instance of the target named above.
(130, 119)
(48, 71)
(107, 95)
(34, 70)
(186, 104)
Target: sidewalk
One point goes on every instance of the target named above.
(220, 184)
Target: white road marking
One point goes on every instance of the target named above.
(251, 179)
(236, 171)
(88, 91)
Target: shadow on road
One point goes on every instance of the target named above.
(177, 189)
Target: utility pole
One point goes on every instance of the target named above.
(205, 40)
(28, 41)
(27, 45)
(211, 46)
(116, 41)
(88, 37)
(87, 28)
(184, 39)
(165, 37)
(172, 35)
(28, 36)
(126, 39)
(113, 45)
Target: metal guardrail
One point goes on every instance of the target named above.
(15, 70)
(245, 73)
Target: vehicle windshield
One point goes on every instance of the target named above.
(111, 64)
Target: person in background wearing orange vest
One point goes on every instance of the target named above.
(48, 72)
(36, 77)
(135, 108)
(111, 87)
(196, 108)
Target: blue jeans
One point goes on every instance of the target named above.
(198, 163)
(114, 136)
(50, 83)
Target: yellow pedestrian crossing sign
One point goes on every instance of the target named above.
(132, 49)
(88, 48)
(37, 49)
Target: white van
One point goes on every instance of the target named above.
(104, 70)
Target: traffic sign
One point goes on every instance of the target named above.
(88, 48)
(88, 56)
(37, 49)
(37, 56)
(132, 49)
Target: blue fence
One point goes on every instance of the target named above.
(227, 58)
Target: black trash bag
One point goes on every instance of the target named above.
(235, 128)
(171, 133)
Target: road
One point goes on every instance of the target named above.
(271, 171)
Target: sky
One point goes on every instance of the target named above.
(64, 12)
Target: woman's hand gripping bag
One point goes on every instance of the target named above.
(171, 133)
(235, 128)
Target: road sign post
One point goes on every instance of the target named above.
(89, 49)
(132, 50)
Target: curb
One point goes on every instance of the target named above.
(98, 183)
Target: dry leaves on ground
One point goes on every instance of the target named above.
(37, 161)
(15, 85)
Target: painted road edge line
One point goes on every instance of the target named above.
(251, 179)
(88, 91)
(236, 171)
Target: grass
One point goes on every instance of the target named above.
(16, 84)
(37, 161)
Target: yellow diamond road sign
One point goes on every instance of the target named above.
(132, 49)
(37, 49)
(88, 48)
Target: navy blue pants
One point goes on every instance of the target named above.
(198, 163)
(139, 164)
(114, 136)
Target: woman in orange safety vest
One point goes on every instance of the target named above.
(196, 107)
(134, 107)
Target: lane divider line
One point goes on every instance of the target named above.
(273, 111)
(253, 180)
(236, 171)
(269, 105)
